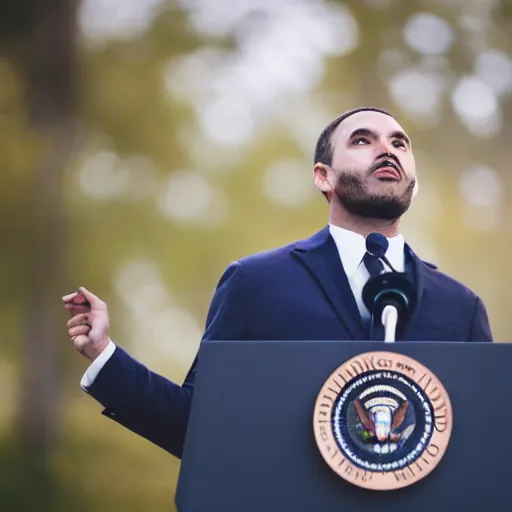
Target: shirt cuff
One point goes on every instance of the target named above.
(96, 366)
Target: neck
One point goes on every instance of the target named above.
(363, 225)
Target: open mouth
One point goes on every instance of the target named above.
(387, 170)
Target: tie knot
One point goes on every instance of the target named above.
(372, 264)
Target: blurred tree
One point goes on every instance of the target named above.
(40, 136)
(40, 38)
(48, 60)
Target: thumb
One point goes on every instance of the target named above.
(94, 301)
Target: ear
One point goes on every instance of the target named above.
(321, 178)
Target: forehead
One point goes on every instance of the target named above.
(375, 121)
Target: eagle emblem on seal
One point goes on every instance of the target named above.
(381, 421)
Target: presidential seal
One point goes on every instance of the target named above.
(382, 421)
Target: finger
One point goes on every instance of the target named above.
(76, 298)
(69, 297)
(77, 303)
(80, 342)
(95, 302)
(78, 330)
(76, 310)
(71, 305)
(80, 319)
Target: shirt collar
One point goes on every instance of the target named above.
(352, 247)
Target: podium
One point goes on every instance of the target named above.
(254, 445)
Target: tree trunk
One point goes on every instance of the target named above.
(48, 58)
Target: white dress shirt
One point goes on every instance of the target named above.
(351, 248)
(97, 365)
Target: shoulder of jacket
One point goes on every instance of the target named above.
(430, 265)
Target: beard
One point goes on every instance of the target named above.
(352, 194)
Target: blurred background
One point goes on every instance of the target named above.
(145, 144)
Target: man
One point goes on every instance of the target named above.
(308, 290)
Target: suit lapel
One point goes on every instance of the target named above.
(319, 255)
(418, 267)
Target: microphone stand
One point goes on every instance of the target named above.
(389, 320)
(390, 294)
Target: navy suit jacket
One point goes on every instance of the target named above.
(296, 292)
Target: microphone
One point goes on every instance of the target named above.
(390, 295)
(377, 245)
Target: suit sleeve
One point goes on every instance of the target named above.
(152, 406)
(480, 327)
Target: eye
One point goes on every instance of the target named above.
(399, 143)
(356, 142)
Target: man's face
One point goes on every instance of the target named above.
(373, 171)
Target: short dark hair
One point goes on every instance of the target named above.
(324, 150)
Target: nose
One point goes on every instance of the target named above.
(384, 153)
(385, 146)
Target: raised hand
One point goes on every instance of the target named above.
(88, 324)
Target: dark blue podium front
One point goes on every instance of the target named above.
(250, 445)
